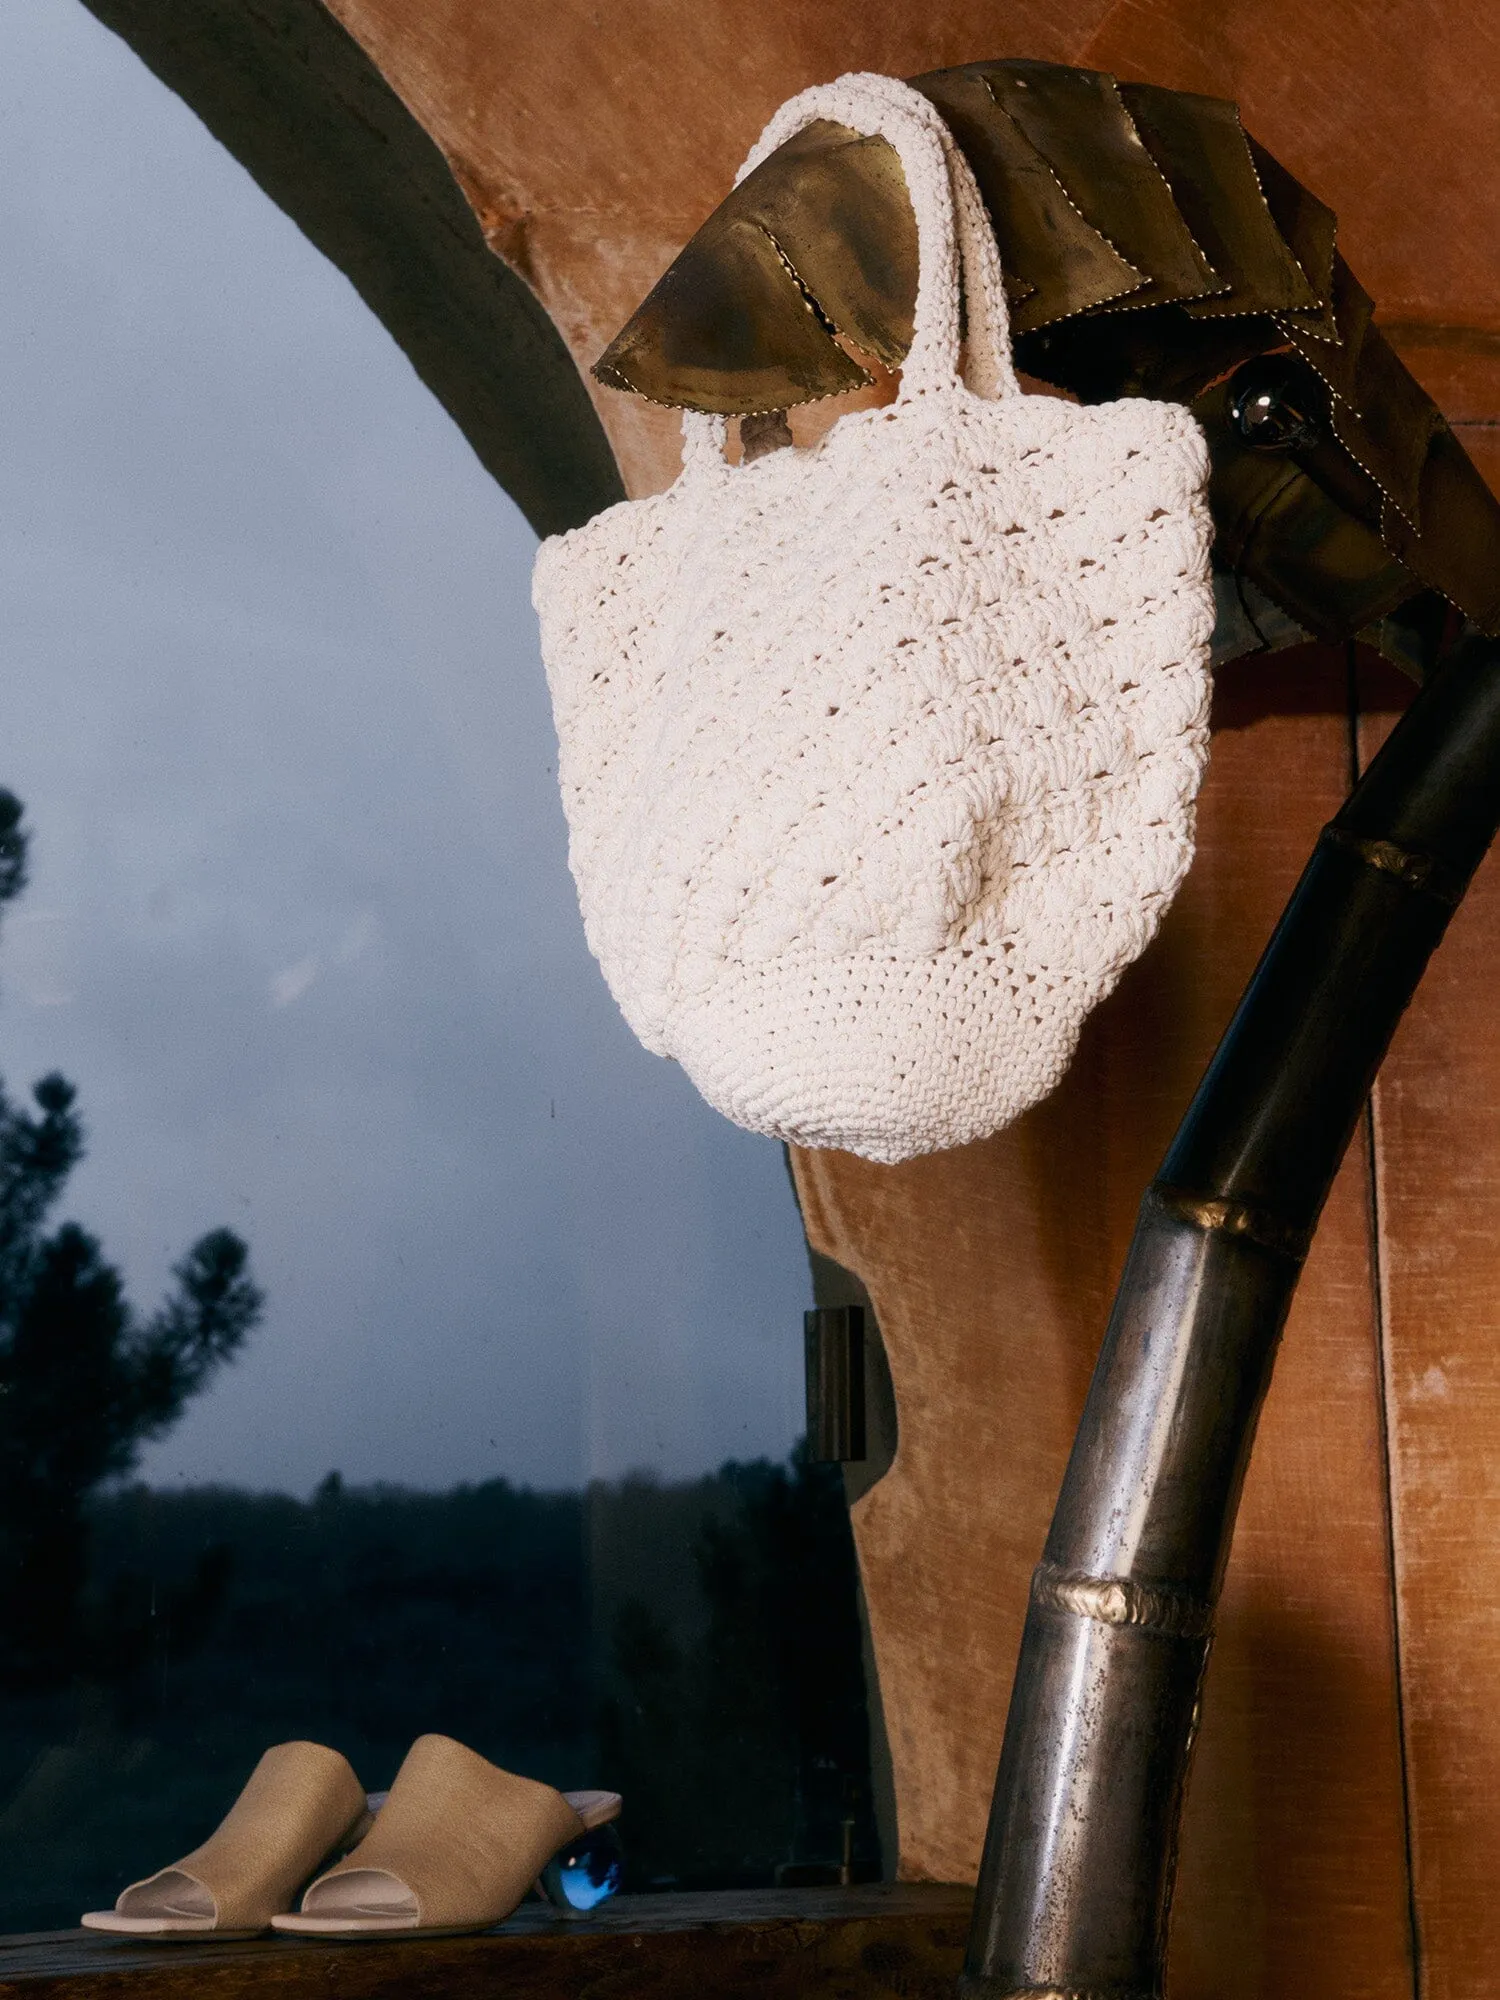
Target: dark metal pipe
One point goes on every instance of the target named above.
(1076, 1884)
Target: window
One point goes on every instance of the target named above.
(300, 932)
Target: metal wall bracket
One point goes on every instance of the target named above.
(834, 1344)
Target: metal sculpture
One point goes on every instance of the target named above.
(1153, 248)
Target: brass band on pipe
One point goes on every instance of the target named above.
(1218, 1216)
(1068, 1993)
(1423, 872)
(1119, 1600)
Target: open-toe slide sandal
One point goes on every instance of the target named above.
(453, 1849)
(301, 1804)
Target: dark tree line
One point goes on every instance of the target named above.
(85, 1380)
(694, 1645)
(748, 1737)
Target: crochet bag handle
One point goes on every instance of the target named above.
(953, 233)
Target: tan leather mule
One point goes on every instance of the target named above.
(453, 1849)
(301, 1804)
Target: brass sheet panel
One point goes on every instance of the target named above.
(727, 328)
(1309, 229)
(1459, 547)
(1199, 145)
(1056, 264)
(1078, 122)
(836, 204)
(1309, 551)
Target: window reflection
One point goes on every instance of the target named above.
(299, 932)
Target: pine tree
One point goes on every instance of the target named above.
(84, 1380)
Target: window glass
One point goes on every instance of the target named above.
(504, 1448)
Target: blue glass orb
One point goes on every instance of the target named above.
(585, 1874)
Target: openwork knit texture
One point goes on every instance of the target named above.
(879, 757)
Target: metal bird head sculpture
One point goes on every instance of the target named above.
(1151, 248)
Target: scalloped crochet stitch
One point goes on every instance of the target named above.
(879, 757)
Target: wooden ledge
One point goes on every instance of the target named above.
(885, 1940)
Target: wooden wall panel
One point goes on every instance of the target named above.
(1294, 1865)
(1437, 1124)
(992, 1271)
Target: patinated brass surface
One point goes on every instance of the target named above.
(1077, 121)
(1054, 259)
(1200, 148)
(1151, 247)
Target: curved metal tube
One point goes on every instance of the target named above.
(1076, 1884)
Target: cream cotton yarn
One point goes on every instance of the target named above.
(879, 757)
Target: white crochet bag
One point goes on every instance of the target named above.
(879, 757)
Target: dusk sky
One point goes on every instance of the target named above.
(300, 925)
